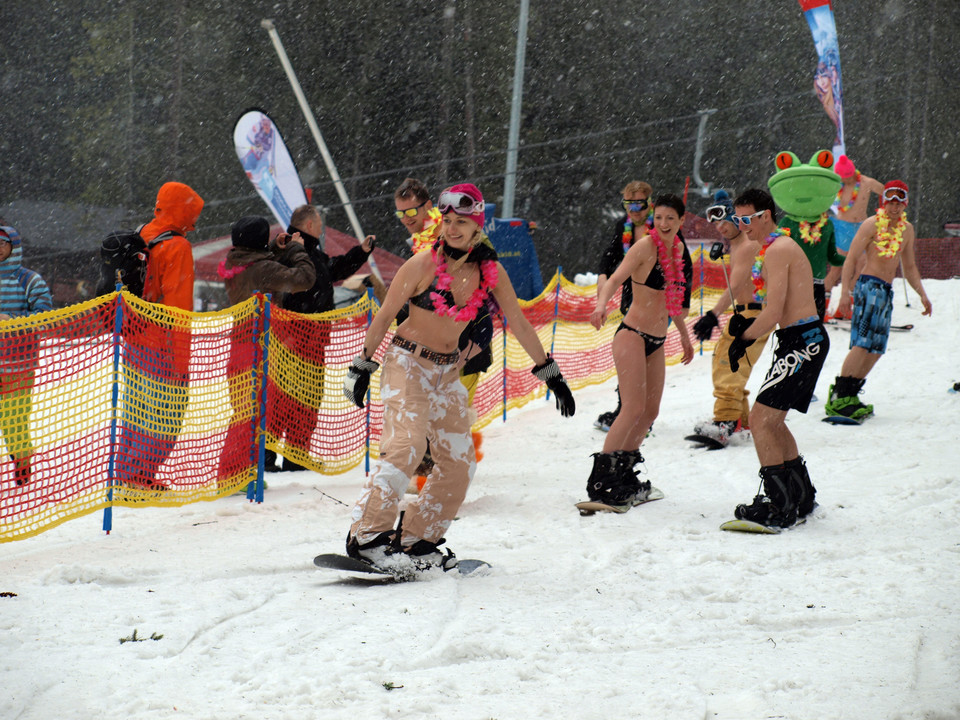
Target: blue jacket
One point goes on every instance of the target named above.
(22, 291)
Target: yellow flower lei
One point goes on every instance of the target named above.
(811, 233)
(887, 242)
(424, 239)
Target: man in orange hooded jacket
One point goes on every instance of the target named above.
(169, 278)
(157, 357)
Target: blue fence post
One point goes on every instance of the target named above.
(114, 410)
(258, 376)
(504, 366)
(262, 444)
(556, 313)
(701, 291)
(370, 298)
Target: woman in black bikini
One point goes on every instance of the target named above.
(660, 269)
(421, 390)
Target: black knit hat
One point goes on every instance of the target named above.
(251, 232)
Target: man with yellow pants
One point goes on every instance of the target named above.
(731, 410)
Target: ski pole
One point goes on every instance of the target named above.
(716, 253)
(906, 296)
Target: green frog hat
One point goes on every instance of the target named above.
(804, 191)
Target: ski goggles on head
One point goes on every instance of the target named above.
(635, 205)
(460, 203)
(716, 212)
(894, 195)
(742, 220)
(409, 212)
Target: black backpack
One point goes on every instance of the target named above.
(125, 253)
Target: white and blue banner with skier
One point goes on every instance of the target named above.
(826, 78)
(267, 163)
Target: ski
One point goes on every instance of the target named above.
(589, 507)
(845, 324)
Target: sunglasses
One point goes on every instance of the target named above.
(740, 220)
(460, 203)
(895, 195)
(635, 205)
(716, 212)
(410, 212)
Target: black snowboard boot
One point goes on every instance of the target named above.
(843, 400)
(630, 476)
(372, 551)
(774, 505)
(270, 462)
(425, 555)
(803, 490)
(606, 484)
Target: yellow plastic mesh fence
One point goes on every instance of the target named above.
(120, 402)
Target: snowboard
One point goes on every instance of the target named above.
(589, 507)
(748, 526)
(844, 420)
(344, 563)
(706, 441)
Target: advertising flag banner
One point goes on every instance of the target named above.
(267, 163)
(826, 78)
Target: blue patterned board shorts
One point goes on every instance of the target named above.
(843, 233)
(872, 312)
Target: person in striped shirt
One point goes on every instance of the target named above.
(22, 292)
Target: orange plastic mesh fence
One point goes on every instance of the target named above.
(120, 402)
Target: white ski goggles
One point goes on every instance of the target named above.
(895, 195)
(460, 203)
(716, 212)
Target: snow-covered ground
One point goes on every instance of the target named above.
(652, 614)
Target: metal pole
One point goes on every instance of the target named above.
(698, 152)
(268, 25)
(513, 136)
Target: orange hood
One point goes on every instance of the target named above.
(177, 210)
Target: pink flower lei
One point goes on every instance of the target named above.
(488, 280)
(672, 272)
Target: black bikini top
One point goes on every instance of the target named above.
(480, 252)
(423, 300)
(655, 279)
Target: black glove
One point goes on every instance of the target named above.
(549, 373)
(738, 324)
(738, 348)
(703, 328)
(358, 379)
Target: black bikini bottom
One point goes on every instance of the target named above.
(651, 343)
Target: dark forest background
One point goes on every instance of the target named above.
(105, 101)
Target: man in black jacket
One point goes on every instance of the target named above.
(298, 422)
(306, 220)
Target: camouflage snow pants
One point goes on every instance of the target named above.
(422, 401)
